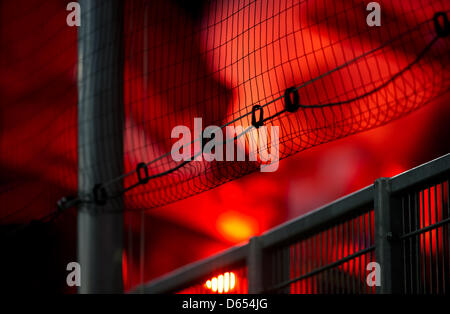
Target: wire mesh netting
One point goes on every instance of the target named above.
(349, 78)
(215, 60)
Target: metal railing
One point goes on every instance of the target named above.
(402, 223)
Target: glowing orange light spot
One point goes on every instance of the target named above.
(220, 284)
(236, 227)
(223, 283)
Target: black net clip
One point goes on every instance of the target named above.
(291, 104)
(100, 194)
(442, 29)
(66, 202)
(141, 170)
(260, 122)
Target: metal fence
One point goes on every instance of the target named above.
(402, 223)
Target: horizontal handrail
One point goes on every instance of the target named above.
(324, 215)
(181, 277)
(420, 174)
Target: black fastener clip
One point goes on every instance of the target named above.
(442, 29)
(100, 194)
(142, 179)
(291, 104)
(260, 122)
(66, 202)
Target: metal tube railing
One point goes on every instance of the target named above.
(327, 250)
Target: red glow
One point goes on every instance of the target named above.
(38, 117)
(393, 170)
(236, 227)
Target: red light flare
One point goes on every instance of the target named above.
(236, 227)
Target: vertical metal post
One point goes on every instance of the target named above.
(100, 143)
(387, 237)
(255, 271)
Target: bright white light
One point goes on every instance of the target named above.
(226, 282)
(223, 283)
(232, 281)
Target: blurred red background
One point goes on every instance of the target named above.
(38, 142)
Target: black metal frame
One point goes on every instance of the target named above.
(384, 197)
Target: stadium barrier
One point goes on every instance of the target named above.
(401, 223)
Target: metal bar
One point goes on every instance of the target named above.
(276, 266)
(447, 238)
(430, 239)
(190, 273)
(417, 225)
(322, 269)
(285, 271)
(309, 262)
(444, 274)
(353, 271)
(298, 265)
(334, 257)
(427, 228)
(100, 143)
(314, 257)
(347, 224)
(272, 273)
(412, 250)
(319, 217)
(326, 275)
(292, 264)
(387, 237)
(359, 249)
(304, 264)
(321, 263)
(255, 272)
(340, 256)
(436, 218)
(363, 216)
(142, 251)
(404, 253)
(428, 171)
(424, 252)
